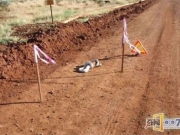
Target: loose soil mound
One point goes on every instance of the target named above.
(60, 41)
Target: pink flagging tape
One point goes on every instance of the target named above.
(47, 59)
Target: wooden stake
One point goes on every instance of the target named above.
(39, 81)
(51, 13)
(122, 65)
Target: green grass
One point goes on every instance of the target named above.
(5, 3)
(17, 22)
(57, 17)
(5, 32)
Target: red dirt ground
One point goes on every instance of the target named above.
(103, 101)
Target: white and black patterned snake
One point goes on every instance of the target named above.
(89, 65)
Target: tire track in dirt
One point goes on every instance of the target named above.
(162, 88)
(112, 128)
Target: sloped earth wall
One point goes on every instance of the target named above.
(61, 41)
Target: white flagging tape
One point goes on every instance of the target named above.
(89, 65)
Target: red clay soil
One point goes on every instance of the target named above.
(17, 61)
(60, 41)
(103, 101)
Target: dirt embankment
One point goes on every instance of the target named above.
(62, 41)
